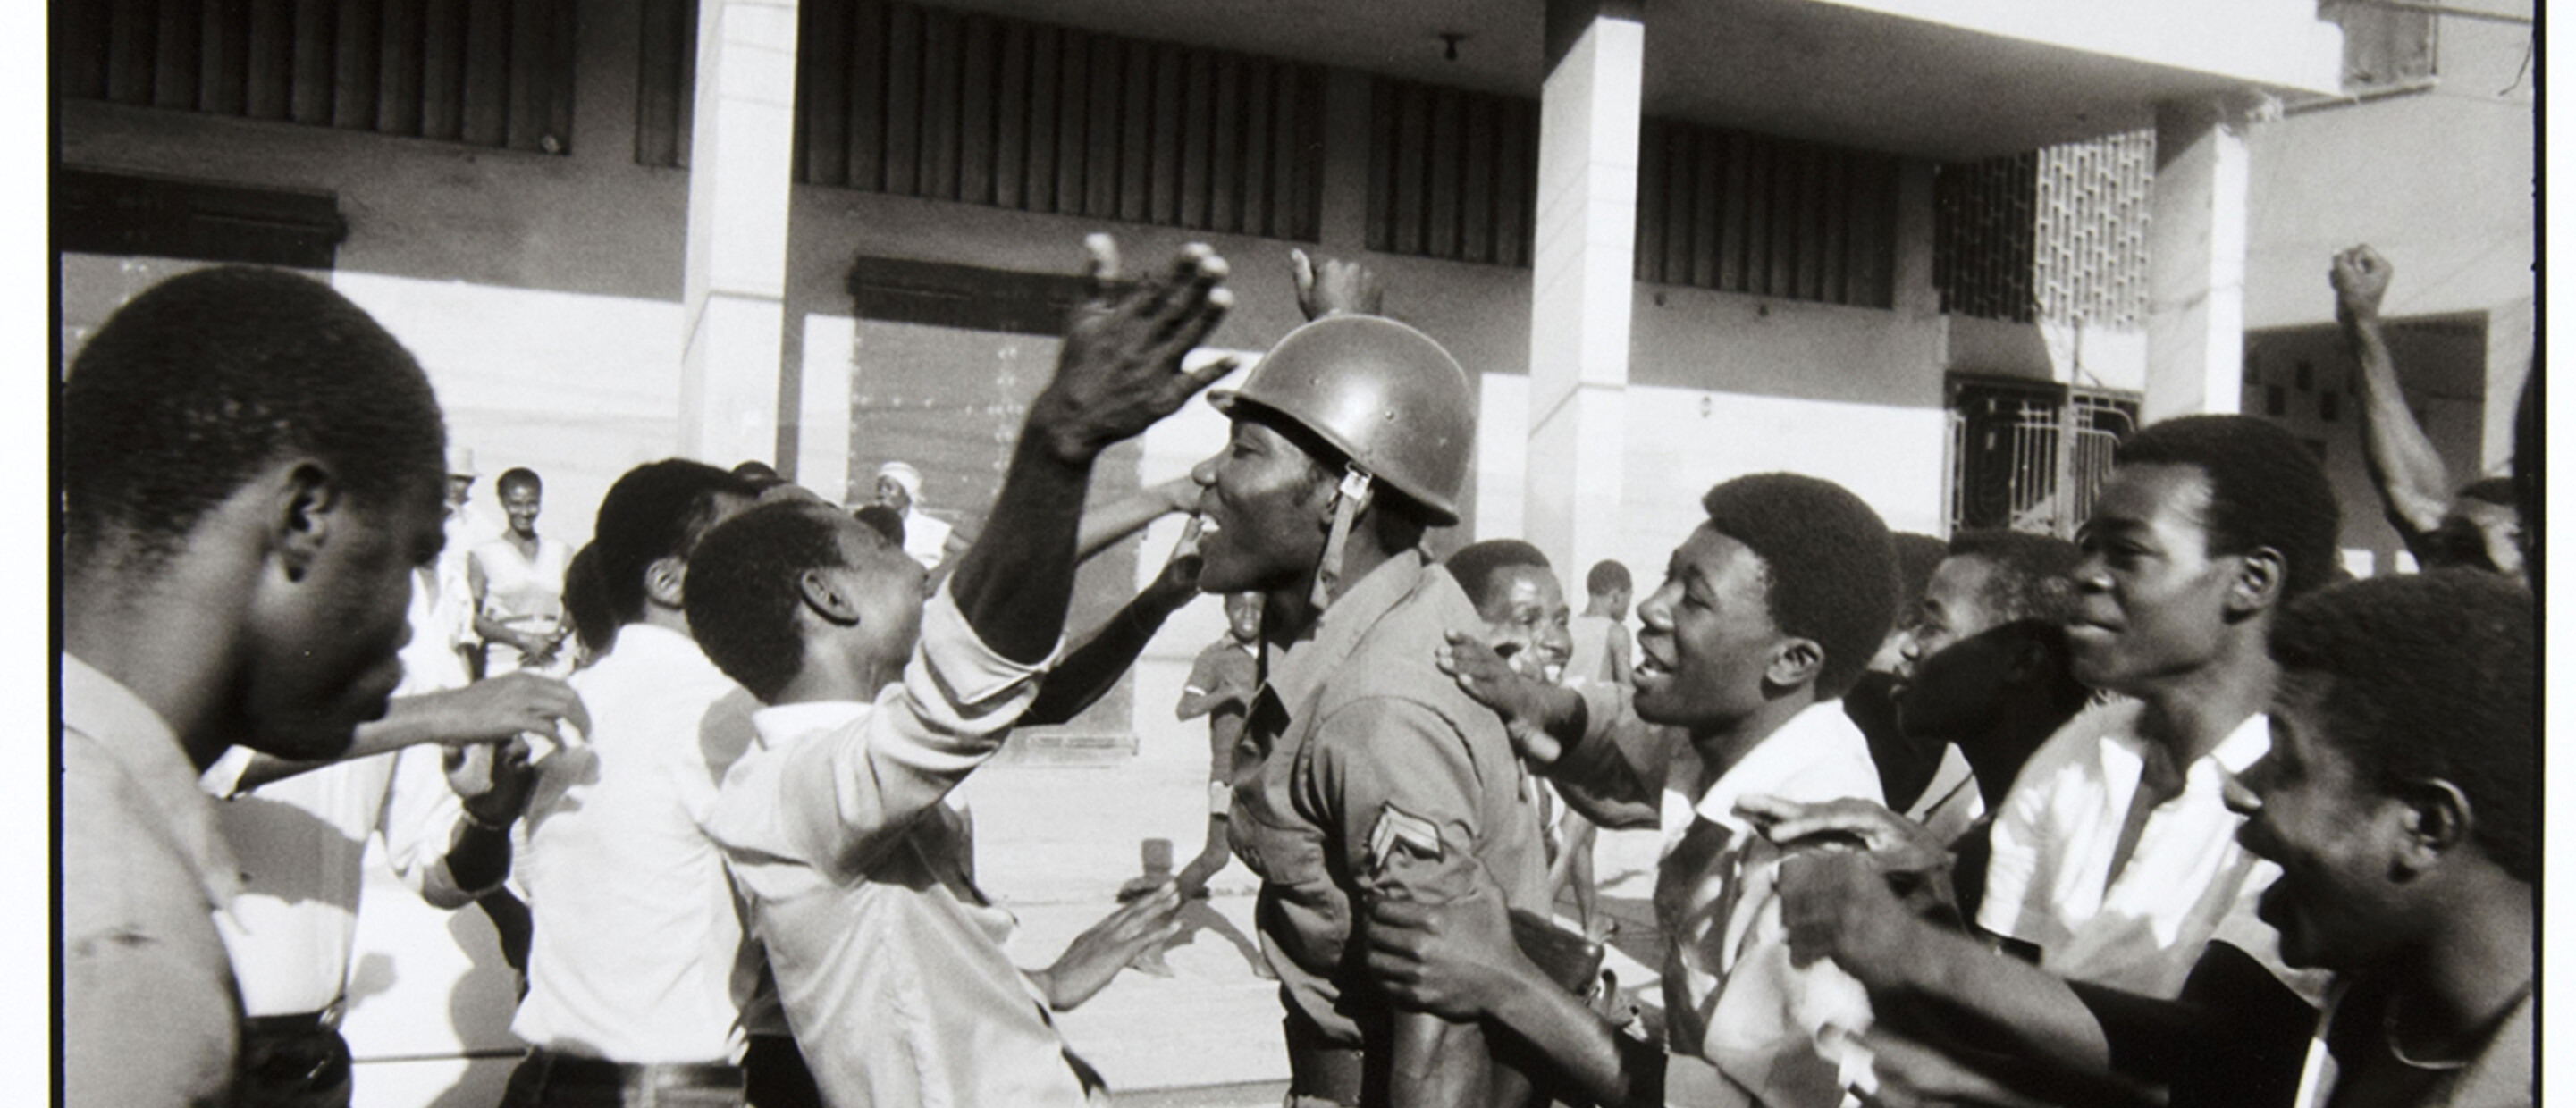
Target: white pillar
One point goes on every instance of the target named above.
(2196, 258)
(1582, 281)
(740, 148)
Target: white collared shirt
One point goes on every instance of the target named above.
(887, 958)
(2186, 882)
(1771, 1029)
(301, 843)
(638, 953)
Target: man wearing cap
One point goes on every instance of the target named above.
(927, 539)
(1363, 772)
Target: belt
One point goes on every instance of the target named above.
(556, 1068)
(292, 1061)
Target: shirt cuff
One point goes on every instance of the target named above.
(970, 675)
(222, 780)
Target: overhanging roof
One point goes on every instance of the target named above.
(1950, 79)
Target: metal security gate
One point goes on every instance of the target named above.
(2029, 456)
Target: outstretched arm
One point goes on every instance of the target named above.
(1119, 372)
(494, 710)
(1093, 668)
(2414, 486)
(1129, 514)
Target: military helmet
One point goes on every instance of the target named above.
(1385, 395)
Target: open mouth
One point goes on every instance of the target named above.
(1651, 668)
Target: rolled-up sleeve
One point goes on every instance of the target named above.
(1615, 773)
(842, 799)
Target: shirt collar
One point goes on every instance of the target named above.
(102, 708)
(784, 723)
(1296, 670)
(1820, 732)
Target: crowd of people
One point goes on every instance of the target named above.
(2173, 813)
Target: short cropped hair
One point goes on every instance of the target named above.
(1830, 565)
(742, 591)
(1917, 555)
(518, 477)
(2265, 489)
(2431, 676)
(2033, 573)
(1475, 565)
(884, 521)
(657, 510)
(585, 602)
(187, 390)
(1608, 575)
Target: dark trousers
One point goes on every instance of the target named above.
(292, 1062)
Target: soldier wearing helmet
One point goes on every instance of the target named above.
(1362, 771)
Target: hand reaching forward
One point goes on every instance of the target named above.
(1521, 700)
(502, 708)
(1120, 368)
(1097, 954)
(1453, 959)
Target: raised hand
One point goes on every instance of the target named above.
(1120, 368)
(1335, 286)
(2360, 278)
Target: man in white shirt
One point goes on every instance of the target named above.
(1768, 612)
(929, 540)
(300, 833)
(637, 971)
(888, 960)
(250, 477)
(2115, 856)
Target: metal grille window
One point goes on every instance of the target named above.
(494, 73)
(1453, 174)
(2030, 456)
(2058, 234)
(1773, 217)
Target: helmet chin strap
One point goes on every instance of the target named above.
(1347, 504)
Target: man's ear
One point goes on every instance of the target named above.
(2438, 822)
(663, 580)
(1795, 662)
(826, 599)
(308, 503)
(2260, 577)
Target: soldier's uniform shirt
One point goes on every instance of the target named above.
(1363, 769)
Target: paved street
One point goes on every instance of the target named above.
(1054, 842)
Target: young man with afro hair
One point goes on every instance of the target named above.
(1766, 614)
(887, 959)
(2115, 857)
(251, 469)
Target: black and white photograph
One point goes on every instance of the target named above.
(1302, 553)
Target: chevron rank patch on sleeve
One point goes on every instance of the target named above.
(1399, 832)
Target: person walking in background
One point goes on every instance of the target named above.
(1603, 650)
(518, 583)
(1220, 687)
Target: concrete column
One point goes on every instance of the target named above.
(2509, 335)
(1582, 279)
(736, 265)
(1918, 296)
(2196, 258)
